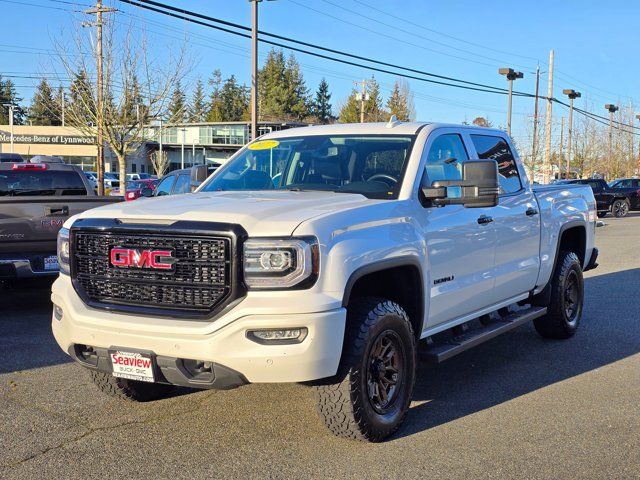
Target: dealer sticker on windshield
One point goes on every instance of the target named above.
(132, 366)
(263, 145)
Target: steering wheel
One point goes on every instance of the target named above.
(383, 177)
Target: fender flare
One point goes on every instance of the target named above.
(386, 264)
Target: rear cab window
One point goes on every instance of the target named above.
(41, 183)
(496, 148)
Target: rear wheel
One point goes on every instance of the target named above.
(129, 389)
(620, 208)
(567, 293)
(370, 396)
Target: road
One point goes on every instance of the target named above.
(516, 407)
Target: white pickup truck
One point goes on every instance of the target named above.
(331, 255)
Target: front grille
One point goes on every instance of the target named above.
(199, 280)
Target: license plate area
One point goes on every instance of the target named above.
(51, 264)
(132, 365)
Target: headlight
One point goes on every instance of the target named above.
(275, 263)
(63, 250)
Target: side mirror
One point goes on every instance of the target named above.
(199, 174)
(146, 192)
(479, 186)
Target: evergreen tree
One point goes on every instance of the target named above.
(215, 106)
(373, 111)
(321, 106)
(8, 94)
(297, 104)
(272, 87)
(80, 93)
(177, 105)
(233, 101)
(350, 111)
(400, 103)
(42, 110)
(198, 107)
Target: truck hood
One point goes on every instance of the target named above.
(265, 213)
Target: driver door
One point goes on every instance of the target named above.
(460, 243)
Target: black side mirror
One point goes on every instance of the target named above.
(199, 174)
(146, 192)
(479, 186)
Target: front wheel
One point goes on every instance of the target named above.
(620, 208)
(370, 396)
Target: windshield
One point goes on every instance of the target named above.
(41, 183)
(111, 176)
(370, 165)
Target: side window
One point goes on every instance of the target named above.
(496, 148)
(182, 184)
(445, 159)
(596, 186)
(624, 183)
(164, 187)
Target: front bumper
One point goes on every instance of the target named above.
(222, 342)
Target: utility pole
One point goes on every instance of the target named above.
(99, 9)
(612, 109)
(363, 96)
(638, 167)
(561, 146)
(511, 76)
(254, 69)
(572, 94)
(547, 145)
(534, 142)
(10, 106)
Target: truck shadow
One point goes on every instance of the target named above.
(521, 362)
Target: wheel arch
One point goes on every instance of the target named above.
(398, 279)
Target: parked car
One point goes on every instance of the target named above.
(176, 182)
(134, 188)
(140, 176)
(35, 200)
(617, 200)
(11, 158)
(376, 240)
(111, 180)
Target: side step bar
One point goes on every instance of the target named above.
(439, 352)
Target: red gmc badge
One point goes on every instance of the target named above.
(132, 258)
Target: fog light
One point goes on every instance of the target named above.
(278, 336)
(57, 312)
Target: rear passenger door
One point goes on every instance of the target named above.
(516, 220)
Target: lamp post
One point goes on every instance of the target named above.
(10, 106)
(183, 130)
(572, 94)
(511, 76)
(638, 167)
(612, 109)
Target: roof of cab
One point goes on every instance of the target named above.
(379, 128)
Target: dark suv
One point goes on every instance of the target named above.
(617, 200)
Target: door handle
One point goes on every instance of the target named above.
(531, 212)
(51, 211)
(484, 219)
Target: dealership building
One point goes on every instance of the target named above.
(184, 144)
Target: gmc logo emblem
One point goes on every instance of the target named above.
(132, 258)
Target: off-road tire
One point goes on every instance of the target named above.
(559, 323)
(620, 208)
(131, 390)
(344, 402)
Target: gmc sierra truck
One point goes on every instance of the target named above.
(333, 256)
(36, 198)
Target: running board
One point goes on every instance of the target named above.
(439, 352)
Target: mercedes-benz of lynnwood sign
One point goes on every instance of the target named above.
(330, 255)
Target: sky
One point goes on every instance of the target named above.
(595, 46)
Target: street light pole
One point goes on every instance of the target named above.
(638, 167)
(10, 106)
(511, 76)
(612, 109)
(572, 94)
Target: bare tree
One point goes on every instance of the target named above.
(136, 88)
(159, 162)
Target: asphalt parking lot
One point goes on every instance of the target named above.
(516, 407)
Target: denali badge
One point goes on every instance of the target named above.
(131, 258)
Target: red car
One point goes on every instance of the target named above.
(134, 188)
